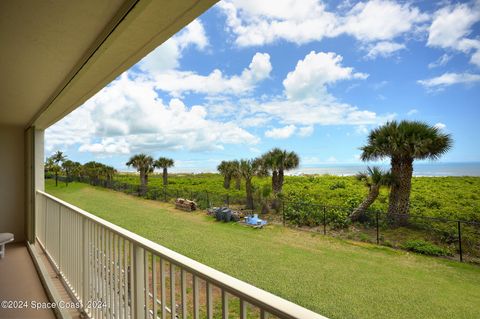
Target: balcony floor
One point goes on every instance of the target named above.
(19, 281)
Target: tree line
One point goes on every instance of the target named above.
(401, 142)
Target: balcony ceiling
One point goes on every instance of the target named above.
(56, 54)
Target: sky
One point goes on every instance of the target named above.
(308, 76)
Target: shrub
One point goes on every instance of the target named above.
(425, 248)
(301, 210)
(339, 184)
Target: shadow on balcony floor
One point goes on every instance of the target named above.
(19, 281)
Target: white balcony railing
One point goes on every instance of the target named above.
(114, 273)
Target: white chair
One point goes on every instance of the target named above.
(5, 238)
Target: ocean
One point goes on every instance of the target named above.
(419, 169)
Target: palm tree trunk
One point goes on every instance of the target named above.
(399, 199)
(248, 188)
(362, 208)
(226, 182)
(238, 182)
(165, 176)
(56, 179)
(274, 181)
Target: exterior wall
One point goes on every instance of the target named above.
(12, 181)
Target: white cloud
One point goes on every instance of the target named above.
(259, 22)
(127, 116)
(282, 132)
(181, 82)
(412, 112)
(441, 61)
(314, 72)
(305, 131)
(262, 22)
(361, 129)
(384, 49)
(166, 57)
(448, 79)
(440, 126)
(379, 20)
(452, 25)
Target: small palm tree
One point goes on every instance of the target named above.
(225, 169)
(144, 165)
(55, 164)
(164, 163)
(278, 161)
(67, 167)
(235, 170)
(249, 169)
(374, 178)
(52, 167)
(403, 142)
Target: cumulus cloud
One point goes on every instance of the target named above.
(451, 27)
(167, 56)
(281, 133)
(384, 49)
(128, 116)
(412, 112)
(441, 61)
(305, 131)
(314, 72)
(448, 79)
(256, 23)
(440, 126)
(178, 83)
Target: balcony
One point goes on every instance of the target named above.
(114, 273)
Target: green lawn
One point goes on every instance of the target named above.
(338, 279)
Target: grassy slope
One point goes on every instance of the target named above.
(335, 278)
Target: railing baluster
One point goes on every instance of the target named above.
(243, 309)
(196, 301)
(224, 304)
(146, 284)
(209, 301)
(163, 292)
(139, 282)
(184, 293)
(154, 286)
(173, 306)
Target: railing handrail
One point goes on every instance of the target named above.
(273, 304)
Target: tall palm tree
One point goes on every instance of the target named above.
(144, 165)
(249, 169)
(68, 167)
(52, 167)
(374, 178)
(403, 142)
(278, 161)
(164, 163)
(55, 163)
(236, 174)
(225, 169)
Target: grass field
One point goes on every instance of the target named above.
(336, 278)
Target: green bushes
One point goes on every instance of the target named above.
(425, 248)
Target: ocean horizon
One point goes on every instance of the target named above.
(433, 169)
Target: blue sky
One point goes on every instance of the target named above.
(307, 76)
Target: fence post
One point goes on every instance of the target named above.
(283, 212)
(324, 220)
(138, 281)
(460, 240)
(208, 201)
(164, 194)
(228, 200)
(376, 225)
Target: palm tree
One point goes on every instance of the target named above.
(249, 169)
(164, 163)
(92, 170)
(68, 167)
(52, 167)
(236, 174)
(278, 161)
(225, 169)
(403, 142)
(54, 163)
(374, 178)
(144, 165)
